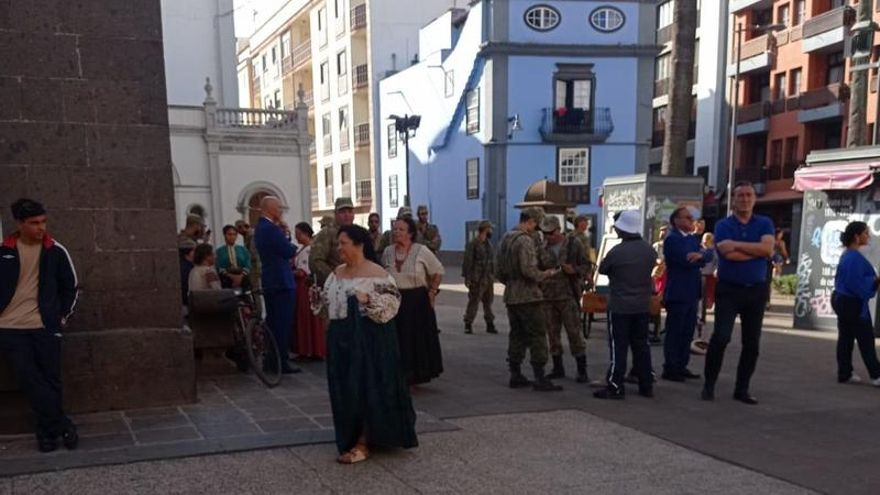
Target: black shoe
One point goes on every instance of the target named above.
(708, 393)
(690, 375)
(608, 394)
(582, 369)
(631, 378)
(468, 328)
(490, 328)
(70, 438)
(542, 383)
(672, 377)
(647, 392)
(745, 398)
(47, 444)
(558, 370)
(517, 379)
(290, 370)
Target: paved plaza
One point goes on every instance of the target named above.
(478, 436)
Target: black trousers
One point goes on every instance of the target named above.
(35, 356)
(625, 331)
(852, 327)
(748, 303)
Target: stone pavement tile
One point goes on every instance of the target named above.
(5, 487)
(324, 421)
(117, 426)
(101, 417)
(218, 416)
(364, 478)
(292, 424)
(19, 446)
(314, 409)
(106, 442)
(261, 414)
(152, 412)
(225, 430)
(259, 403)
(167, 435)
(154, 422)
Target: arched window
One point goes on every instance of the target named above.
(607, 19)
(542, 17)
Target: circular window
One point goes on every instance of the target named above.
(607, 19)
(542, 17)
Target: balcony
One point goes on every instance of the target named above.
(361, 76)
(661, 87)
(738, 5)
(309, 99)
(753, 118)
(664, 35)
(358, 17)
(362, 135)
(782, 171)
(824, 103)
(827, 32)
(576, 125)
(286, 65)
(658, 137)
(756, 54)
(302, 54)
(249, 118)
(313, 153)
(316, 204)
(364, 191)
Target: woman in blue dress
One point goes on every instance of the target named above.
(855, 283)
(368, 393)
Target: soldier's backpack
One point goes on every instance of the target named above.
(504, 262)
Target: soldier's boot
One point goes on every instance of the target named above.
(490, 327)
(542, 383)
(517, 379)
(558, 369)
(468, 328)
(582, 369)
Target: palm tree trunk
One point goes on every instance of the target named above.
(678, 112)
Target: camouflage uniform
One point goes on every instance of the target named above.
(561, 293)
(478, 271)
(324, 257)
(254, 275)
(376, 238)
(427, 233)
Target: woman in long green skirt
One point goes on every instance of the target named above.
(368, 393)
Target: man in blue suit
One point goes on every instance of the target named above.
(684, 258)
(272, 237)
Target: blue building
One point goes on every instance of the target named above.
(511, 92)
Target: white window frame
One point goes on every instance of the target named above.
(602, 17)
(542, 17)
(449, 83)
(324, 79)
(344, 127)
(472, 178)
(342, 72)
(393, 191)
(322, 26)
(392, 141)
(472, 117)
(665, 14)
(568, 171)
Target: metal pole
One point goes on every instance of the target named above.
(730, 170)
(876, 136)
(406, 200)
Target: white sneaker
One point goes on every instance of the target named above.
(856, 379)
(876, 382)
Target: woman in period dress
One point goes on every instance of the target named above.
(310, 341)
(417, 273)
(368, 393)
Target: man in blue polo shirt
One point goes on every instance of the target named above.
(744, 242)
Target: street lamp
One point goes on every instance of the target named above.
(738, 32)
(406, 127)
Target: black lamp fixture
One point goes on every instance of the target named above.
(406, 127)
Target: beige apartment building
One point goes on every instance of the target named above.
(331, 54)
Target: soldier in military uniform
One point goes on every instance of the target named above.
(255, 275)
(478, 271)
(561, 294)
(518, 270)
(581, 224)
(324, 257)
(427, 233)
(374, 223)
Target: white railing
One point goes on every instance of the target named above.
(302, 53)
(254, 118)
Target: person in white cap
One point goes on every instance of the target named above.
(628, 268)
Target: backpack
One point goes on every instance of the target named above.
(504, 263)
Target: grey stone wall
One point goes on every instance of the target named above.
(84, 129)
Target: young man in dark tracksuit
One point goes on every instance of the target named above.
(37, 295)
(628, 267)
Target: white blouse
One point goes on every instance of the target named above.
(384, 298)
(301, 262)
(419, 266)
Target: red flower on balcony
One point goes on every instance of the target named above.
(561, 111)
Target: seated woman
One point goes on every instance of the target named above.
(203, 275)
(368, 394)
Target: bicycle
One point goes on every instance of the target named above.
(252, 336)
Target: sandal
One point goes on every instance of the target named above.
(358, 453)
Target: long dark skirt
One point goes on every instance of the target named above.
(368, 393)
(419, 339)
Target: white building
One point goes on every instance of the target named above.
(510, 93)
(335, 51)
(225, 158)
(707, 147)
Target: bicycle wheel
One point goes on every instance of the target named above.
(262, 352)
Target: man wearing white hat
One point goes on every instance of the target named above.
(628, 268)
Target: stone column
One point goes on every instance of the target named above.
(84, 129)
